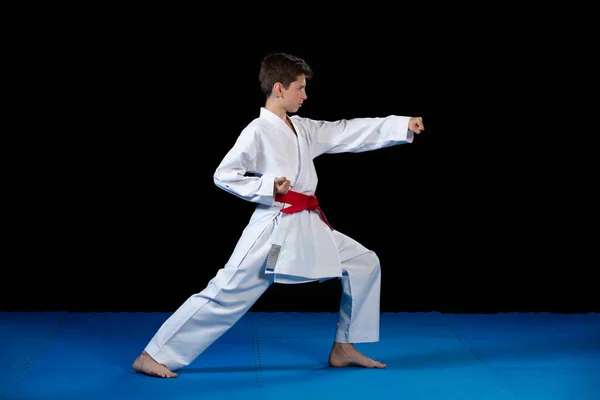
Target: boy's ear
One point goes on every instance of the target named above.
(277, 89)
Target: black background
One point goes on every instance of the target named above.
(114, 206)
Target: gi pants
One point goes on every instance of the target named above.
(206, 316)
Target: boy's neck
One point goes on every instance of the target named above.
(276, 109)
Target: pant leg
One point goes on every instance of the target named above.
(358, 319)
(206, 316)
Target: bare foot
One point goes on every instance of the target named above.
(345, 355)
(145, 364)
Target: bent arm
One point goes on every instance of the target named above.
(236, 174)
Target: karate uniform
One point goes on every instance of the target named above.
(279, 247)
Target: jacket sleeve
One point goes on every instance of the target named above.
(236, 174)
(357, 135)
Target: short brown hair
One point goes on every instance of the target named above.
(281, 67)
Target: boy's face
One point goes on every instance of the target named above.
(295, 94)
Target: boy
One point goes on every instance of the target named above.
(288, 239)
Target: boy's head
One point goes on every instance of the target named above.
(283, 68)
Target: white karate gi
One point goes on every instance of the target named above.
(267, 148)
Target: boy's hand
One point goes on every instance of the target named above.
(415, 124)
(282, 185)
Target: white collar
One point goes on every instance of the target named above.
(272, 117)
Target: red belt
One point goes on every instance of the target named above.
(300, 202)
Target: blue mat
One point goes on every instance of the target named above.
(87, 356)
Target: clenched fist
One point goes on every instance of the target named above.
(282, 185)
(415, 124)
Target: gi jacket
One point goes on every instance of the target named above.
(267, 148)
